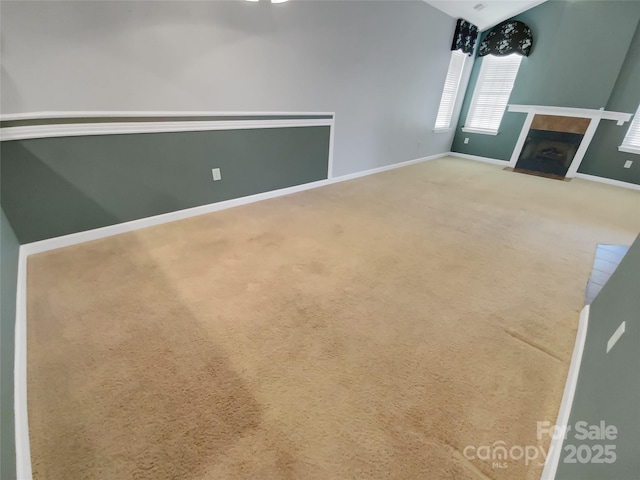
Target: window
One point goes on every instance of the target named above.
(491, 95)
(631, 142)
(450, 91)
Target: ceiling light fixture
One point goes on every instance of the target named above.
(480, 6)
(279, 1)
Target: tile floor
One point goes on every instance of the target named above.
(607, 259)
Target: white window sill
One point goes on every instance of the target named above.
(441, 130)
(626, 149)
(480, 131)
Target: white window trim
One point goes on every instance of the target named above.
(456, 67)
(634, 129)
(474, 98)
(629, 150)
(481, 131)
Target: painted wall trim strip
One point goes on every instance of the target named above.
(23, 447)
(555, 448)
(81, 129)
(619, 117)
(478, 158)
(166, 113)
(608, 181)
(583, 176)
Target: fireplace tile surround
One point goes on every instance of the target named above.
(573, 121)
(549, 151)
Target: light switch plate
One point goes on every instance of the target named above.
(216, 174)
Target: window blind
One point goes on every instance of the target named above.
(450, 90)
(491, 95)
(631, 142)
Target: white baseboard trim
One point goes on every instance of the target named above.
(108, 231)
(555, 448)
(608, 181)
(386, 168)
(494, 161)
(23, 455)
(23, 449)
(584, 176)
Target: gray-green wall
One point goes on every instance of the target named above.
(609, 384)
(602, 157)
(9, 248)
(56, 186)
(582, 57)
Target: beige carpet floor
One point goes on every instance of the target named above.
(369, 329)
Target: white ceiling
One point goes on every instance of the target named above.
(494, 11)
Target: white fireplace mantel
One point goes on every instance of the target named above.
(602, 114)
(595, 115)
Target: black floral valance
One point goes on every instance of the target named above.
(506, 38)
(465, 37)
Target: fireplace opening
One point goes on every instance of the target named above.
(548, 152)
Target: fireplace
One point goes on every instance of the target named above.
(549, 152)
(553, 140)
(551, 145)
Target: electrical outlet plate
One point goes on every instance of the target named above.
(628, 163)
(216, 174)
